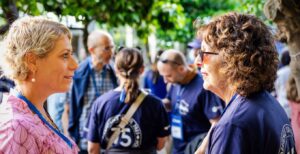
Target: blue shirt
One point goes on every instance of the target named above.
(81, 82)
(100, 82)
(196, 106)
(158, 88)
(149, 122)
(252, 125)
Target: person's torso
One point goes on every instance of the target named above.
(156, 84)
(195, 106)
(142, 130)
(19, 126)
(262, 124)
(99, 83)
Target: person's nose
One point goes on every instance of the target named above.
(198, 61)
(73, 64)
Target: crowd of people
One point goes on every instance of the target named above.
(223, 102)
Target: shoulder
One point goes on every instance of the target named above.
(17, 130)
(152, 101)
(110, 96)
(257, 109)
(83, 68)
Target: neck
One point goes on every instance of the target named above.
(35, 96)
(97, 66)
(189, 74)
(227, 94)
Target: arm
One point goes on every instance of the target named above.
(161, 142)
(93, 148)
(201, 149)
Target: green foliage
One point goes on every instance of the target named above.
(171, 20)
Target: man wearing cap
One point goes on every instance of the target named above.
(194, 46)
(193, 108)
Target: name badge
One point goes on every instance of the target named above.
(176, 129)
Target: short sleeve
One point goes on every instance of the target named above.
(93, 125)
(211, 104)
(227, 139)
(164, 126)
(17, 139)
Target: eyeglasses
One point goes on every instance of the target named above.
(201, 53)
(165, 61)
(105, 48)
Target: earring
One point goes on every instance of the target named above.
(33, 80)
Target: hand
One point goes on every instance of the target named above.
(168, 104)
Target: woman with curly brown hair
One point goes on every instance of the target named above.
(238, 62)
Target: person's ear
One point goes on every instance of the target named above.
(181, 69)
(91, 50)
(31, 61)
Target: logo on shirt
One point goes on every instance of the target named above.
(287, 142)
(130, 136)
(217, 108)
(183, 107)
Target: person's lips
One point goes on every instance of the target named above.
(70, 77)
(204, 73)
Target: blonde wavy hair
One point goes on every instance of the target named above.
(37, 35)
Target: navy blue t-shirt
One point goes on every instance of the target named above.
(149, 122)
(158, 88)
(196, 106)
(252, 125)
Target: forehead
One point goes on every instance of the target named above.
(62, 43)
(165, 69)
(104, 40)
(204, 46)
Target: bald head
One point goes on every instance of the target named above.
(172, 66)
(173, 57)
(95, 36)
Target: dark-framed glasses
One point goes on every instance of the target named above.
(201, 53)
(106, 48)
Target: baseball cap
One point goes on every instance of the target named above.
(195, 44)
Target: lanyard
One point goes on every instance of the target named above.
(36, 111)
(230, 102)
(178, 98)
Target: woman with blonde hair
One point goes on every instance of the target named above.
(37, 56)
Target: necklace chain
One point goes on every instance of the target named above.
(48, 118)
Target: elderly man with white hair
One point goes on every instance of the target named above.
(93, 78)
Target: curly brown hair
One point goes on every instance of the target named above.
(247, 48)
(291, 91)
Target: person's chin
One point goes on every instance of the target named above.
(206, 85)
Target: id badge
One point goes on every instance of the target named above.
(176, 129)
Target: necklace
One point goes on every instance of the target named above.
(36, 111)
(47, 117)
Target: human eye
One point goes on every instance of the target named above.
(66, 55)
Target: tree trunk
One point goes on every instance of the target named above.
(11, 14)
(286, 14)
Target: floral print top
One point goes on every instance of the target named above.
(22, 131)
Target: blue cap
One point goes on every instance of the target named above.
(196, 44)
